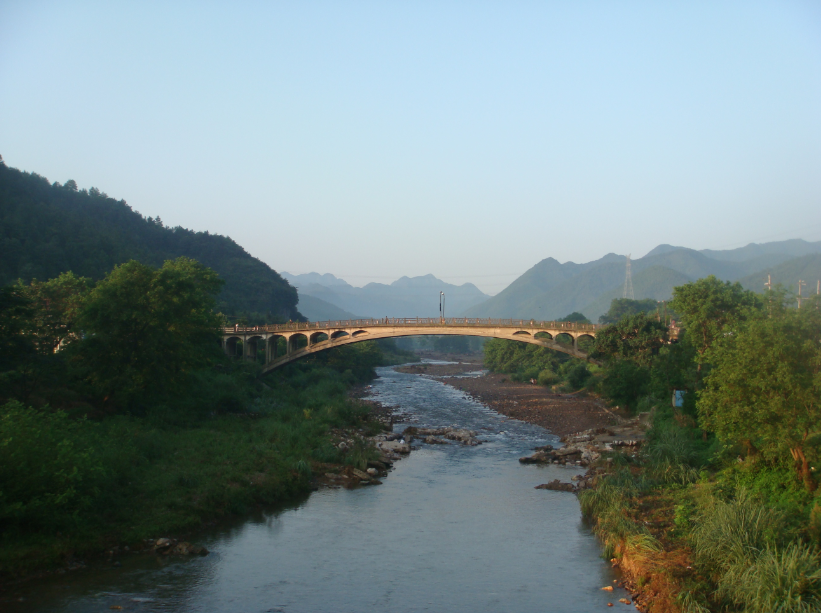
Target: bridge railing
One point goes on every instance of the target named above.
(433, 322)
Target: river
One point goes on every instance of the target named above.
(452, 528)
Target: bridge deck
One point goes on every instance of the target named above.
(416, 322)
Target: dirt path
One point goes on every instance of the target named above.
(560, 413)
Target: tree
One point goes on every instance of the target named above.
(55, 307)
(625, 382)
(576, 317)
(16, 348)
(146, 329)
(764, 390)
(708, 307)
(636, 338)
(626, 307)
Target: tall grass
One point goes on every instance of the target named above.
(785, 580)
(728, 534)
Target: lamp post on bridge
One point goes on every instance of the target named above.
(442, 306)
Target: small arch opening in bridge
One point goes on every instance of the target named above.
(296, 342)
(318, 337)
(276, 346)
(521, 333)
(586, 343)
(339, 334)
(543, 336)
(359, 332)
(564, 338)
(233, 344)
(255, 349)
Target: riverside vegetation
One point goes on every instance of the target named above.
(720, 510)
(121, 419)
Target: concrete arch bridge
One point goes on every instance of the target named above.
(305, 338)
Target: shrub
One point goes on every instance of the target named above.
(49, 471)
(547, 377)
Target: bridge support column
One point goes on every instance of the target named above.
(576, 343)
(247, 351)
(270, 349)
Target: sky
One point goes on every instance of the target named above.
(469, 140)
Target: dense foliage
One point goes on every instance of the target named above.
(626, 307)
(121, 417)
(47, 229)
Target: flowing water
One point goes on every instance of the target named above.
(452, 528)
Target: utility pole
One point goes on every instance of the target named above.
(800, 284)
(628, 281)
(769, 284)
(442, 306)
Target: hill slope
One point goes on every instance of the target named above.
(48, 229)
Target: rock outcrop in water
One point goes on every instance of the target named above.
(459, 435)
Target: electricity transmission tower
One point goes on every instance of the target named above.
(628, 282)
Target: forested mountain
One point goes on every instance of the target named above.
(47, 229)
(551, 290)
(405, 297)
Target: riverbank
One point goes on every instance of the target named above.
(561, 414)
(591, 433)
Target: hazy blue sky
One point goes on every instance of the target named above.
(465, 139)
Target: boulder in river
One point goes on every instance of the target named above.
(394, 447)
(557, 486)
(540, 457)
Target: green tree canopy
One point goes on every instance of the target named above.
(708, 306)
(55, 307)
(764, 389)
(625, 307)
(576, 317)
(147, 328)
(636, 338)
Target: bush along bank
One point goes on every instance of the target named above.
(718, 508)
(116, 440)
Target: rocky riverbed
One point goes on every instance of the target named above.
(562, 414)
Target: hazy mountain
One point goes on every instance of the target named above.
(656, 282)
(316, 309)
(405, 297)
(551, 290)
(791, 248)
(794, 248)
(787, 274)
(328, 280)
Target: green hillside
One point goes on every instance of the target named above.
(47, 229)
(656, 282)
(787, 274)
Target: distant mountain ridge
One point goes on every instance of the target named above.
(405, 297)
(550, 290)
